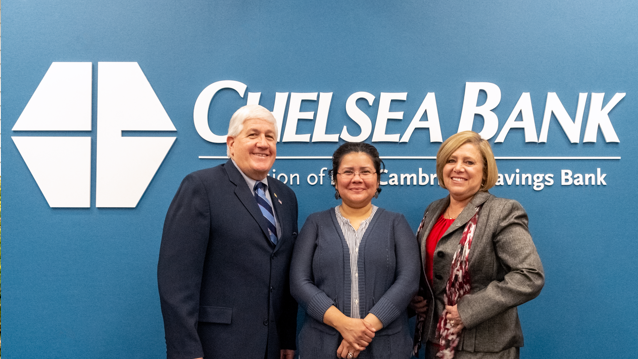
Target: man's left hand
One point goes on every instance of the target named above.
(287, 354)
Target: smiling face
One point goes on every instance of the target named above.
(463, 172)
(355, 191)
(254, 148)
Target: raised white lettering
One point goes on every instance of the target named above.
(524, 107)
(384, 114)
(571, 128)
(294, 114)
(358, 116)
(599, 117)
(490, 120)
(600, 179)
(319, 134)
(565, 177)
(281, 99)
(202, 105)
(428, 105)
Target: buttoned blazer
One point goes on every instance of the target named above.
(504, 266)
(224, 287)
(388, 275)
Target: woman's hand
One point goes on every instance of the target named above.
(373, 322)
(356, 332)
(419, 304)
(347, 351)
(454, 319)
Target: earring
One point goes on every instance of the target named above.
(337, 195)
(376, 194)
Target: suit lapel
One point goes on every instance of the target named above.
(468, 212)
(281, 210)
(246, 197)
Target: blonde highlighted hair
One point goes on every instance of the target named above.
(490, 171)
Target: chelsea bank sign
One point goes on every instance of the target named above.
(126, 160)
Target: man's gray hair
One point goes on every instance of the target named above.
(249, 112)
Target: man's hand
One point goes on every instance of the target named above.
(287, 354)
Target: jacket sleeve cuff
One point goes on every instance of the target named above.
(466, 313)
(318, 306)
(385, 311)
(288, 342)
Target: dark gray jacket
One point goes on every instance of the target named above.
(388, 278)
(505, 271)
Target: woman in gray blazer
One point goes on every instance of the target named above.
(479, 260)
(355, 268)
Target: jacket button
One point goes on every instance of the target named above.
(271, 289)
(438, 276)
(440, 254)
(266, 322)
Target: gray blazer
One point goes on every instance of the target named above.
(388, 278)
(505, 271)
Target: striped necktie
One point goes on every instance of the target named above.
(266, 210)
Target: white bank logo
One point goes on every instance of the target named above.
(61, 165)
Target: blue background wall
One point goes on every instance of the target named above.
(82, 281)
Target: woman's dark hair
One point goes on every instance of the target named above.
(350, 147)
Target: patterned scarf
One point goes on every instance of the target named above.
(457, 286)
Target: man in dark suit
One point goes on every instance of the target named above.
(225, 253)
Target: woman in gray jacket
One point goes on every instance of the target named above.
(479, 260)
(355, 268)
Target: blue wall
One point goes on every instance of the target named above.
(81, 281)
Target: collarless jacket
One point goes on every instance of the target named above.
(504, 266)
(388, 265)
(223, 285)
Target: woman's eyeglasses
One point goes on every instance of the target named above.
(364, 174)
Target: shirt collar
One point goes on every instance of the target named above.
(343, 219)
(249, 181)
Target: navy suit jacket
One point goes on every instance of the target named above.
(223, 286)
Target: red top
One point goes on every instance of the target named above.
(441, 225)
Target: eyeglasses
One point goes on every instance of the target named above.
(365, 174)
